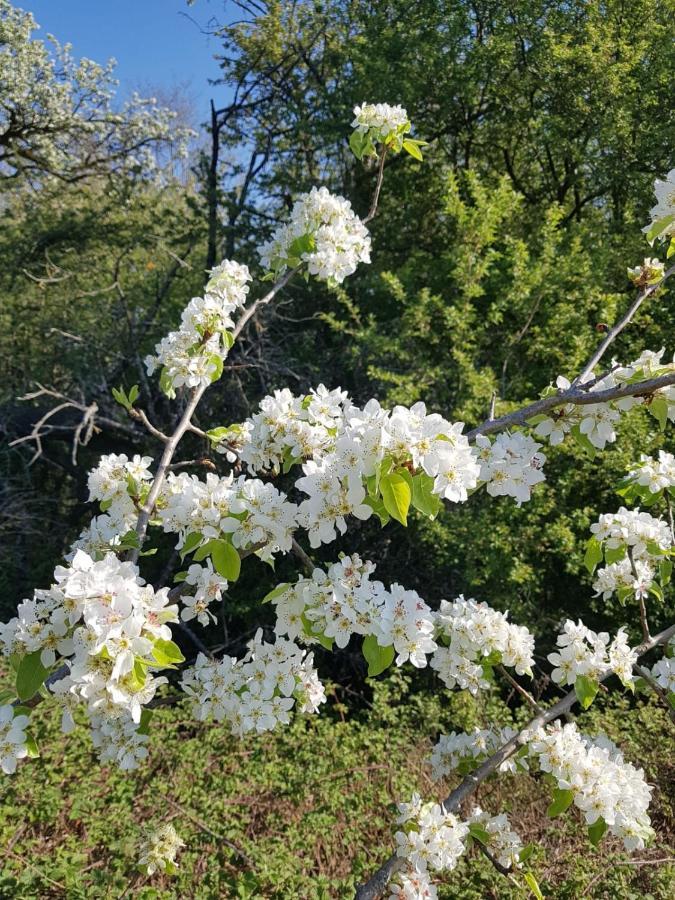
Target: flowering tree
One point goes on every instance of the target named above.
(99, 639)
(57, 116)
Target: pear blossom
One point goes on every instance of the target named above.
(603, 784)
(13, 745)
(159, 850)
(323, 232)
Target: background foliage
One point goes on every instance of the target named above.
(494, 264)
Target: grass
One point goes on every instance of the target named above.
(305, 812)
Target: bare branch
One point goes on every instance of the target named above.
(620, 325)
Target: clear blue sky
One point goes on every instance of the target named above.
(157, 43)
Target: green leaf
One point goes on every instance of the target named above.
(301, 245)
(596, 831)
(277, 592)
(192, 541)
(656, 590)
(308, 626)
(585, 689)
(31, 746)
(412, 148)
(561, 801)
(659, 227)
(593, 554)
(377, 507)
(533, 885)
(144, 724)
(659, 409)
(7, 696)
(357, 143)
(166, 384)
(226, 560)
(216, 361)
(167, 653)
(228, 339)
(383, 469)
(479, 833)
(615, 554)
(138, 675)
(378, 658)
(583, 441)
(671, 248)
(526, 853)
(133, 394)
(665, 571)
(30, 675)
(396, 495)
(120, 396)
(423, 497)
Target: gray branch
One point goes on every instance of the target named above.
(374, 887)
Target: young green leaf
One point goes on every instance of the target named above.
(396, 495)
(561, 801)
(585, 689)
(30, 675)
(226, 560)
(423, 498)
(167, 653)
(533, 885)
(378, 658)
(596, 831)
(593, 554)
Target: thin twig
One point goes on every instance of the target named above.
(372, 212)
(619, 327)
(656, 687)
(141, 416)
(518, 687)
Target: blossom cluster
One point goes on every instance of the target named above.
(663, 673)
(251, 513)
(604, 786)
(663, 213)
(463, 751)
(596, 422)
(208, 588)
(258, 691)
(104, 622)
(654, 474)
(342, 446)
(193, 355)
(510, 465)
(324, 233)
(379, 121)
(582, 652)
(650, 272)
(502, 841)
(13, 745)
(432, 840)
(344, 601)
(159, 850)
(634, 543)
(471, 635)
(118, 484)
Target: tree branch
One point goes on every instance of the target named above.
(374, 887)
(576, 396)
(619, 327)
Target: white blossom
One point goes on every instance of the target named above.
(159, 850)
(12, 739)
(603, 784)
(323, 232)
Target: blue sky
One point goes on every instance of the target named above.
(157, 43)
